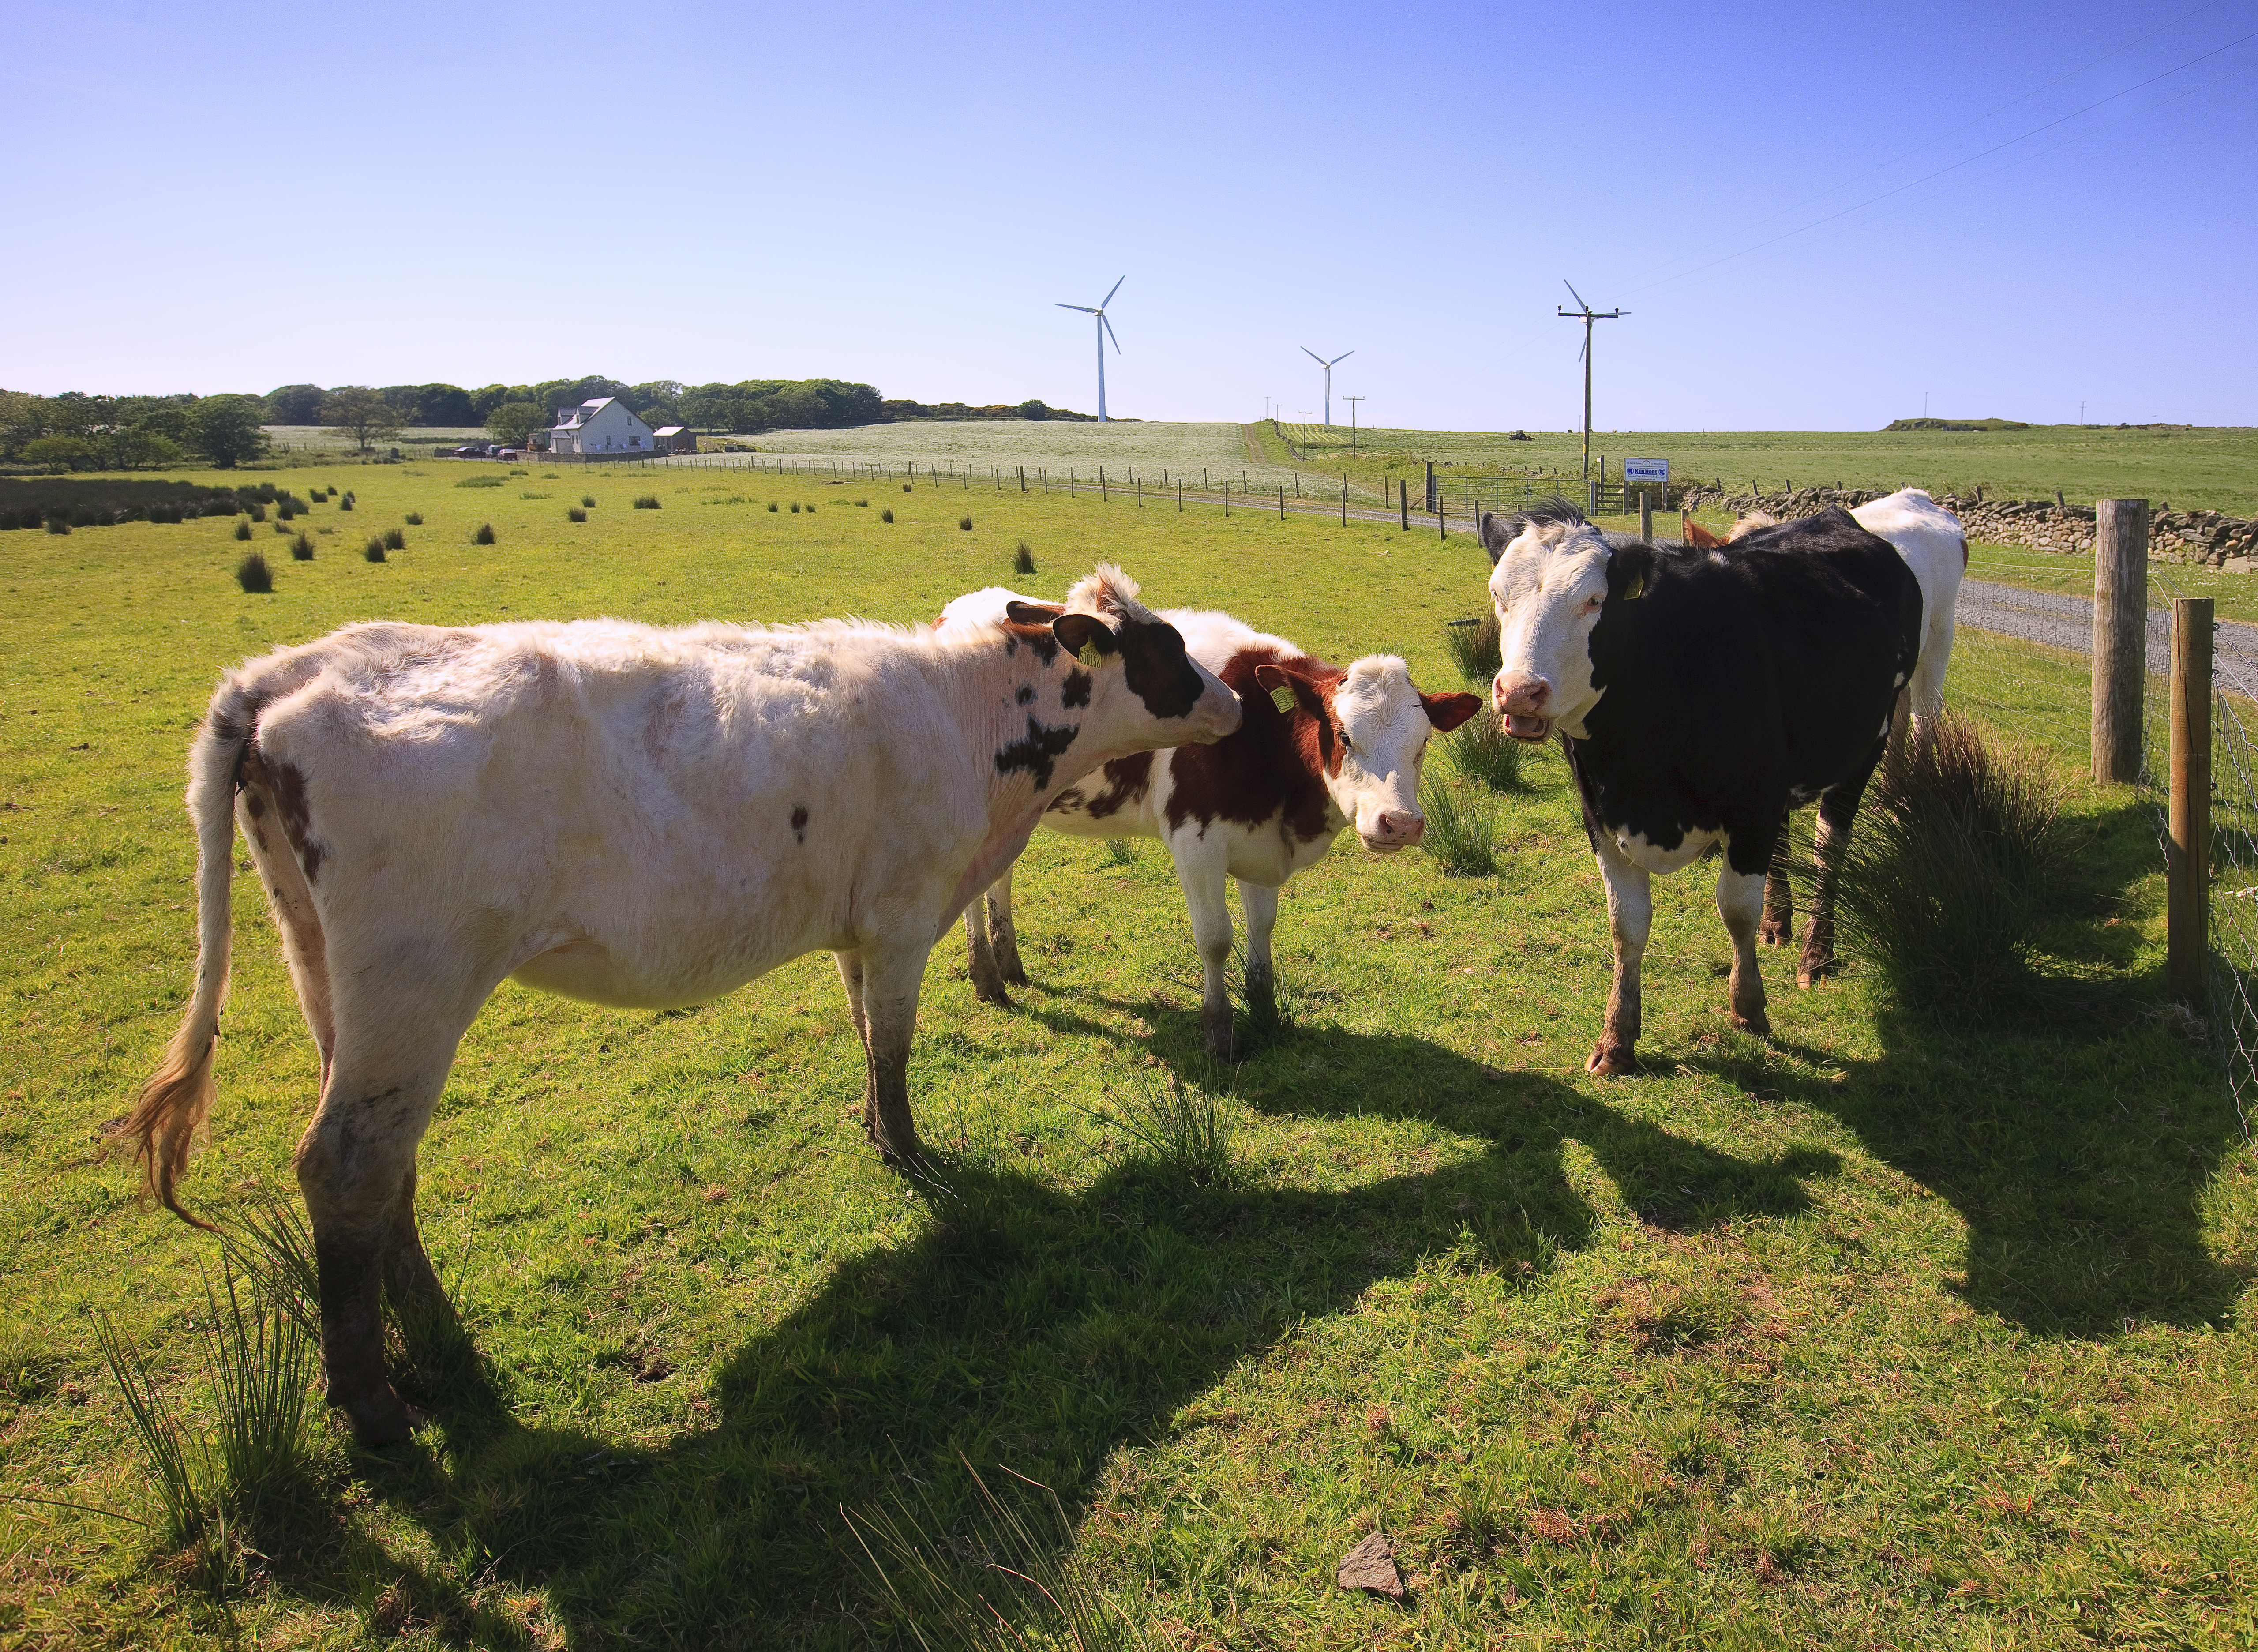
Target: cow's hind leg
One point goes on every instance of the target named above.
(1260, 905)
(1831, 840)
(356, 1166)
(980, 957)
(1740, 903)
(889, 972)
(1631, 916)
(1003, 933)
(1778, 922)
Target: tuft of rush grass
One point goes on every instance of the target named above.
(243, 527)
(795, 507)
(1483, 752)
(1957, 863)
(395, 539)
(886, 514)
(414, 518)
(1002, 1578)
(1185, 1130)
(575, 513)
(263, 1366)
(1023, 559)
(1462, 835)
(301, 548)
(587, 501)
(1474, 647)
(253, 575)
(485, 535)
(1881, 1328)
(861, 503)
(373, 550)
(964, 522)
(1120, 851)
(473, 481)
(169, 1454)
(646, 502)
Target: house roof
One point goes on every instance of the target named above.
(572, 419)
(668, 430)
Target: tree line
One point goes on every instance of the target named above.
(78, 431)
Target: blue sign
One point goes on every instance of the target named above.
(1646, 470)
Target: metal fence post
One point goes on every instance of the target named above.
(2120, 636)
(2187, 853)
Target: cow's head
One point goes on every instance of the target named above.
(1145, 691)
(1366, 730)
(1555, 575)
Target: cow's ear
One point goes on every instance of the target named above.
(1032, 613)
(1628, 570)
(1492, 537)
(1288, 689)
(1085, 637)
(1447, 711)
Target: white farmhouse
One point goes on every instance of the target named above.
(600, 424)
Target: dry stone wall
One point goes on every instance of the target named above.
(2204, 538)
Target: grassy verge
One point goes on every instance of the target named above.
(1885, 1331)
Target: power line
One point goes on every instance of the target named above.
(1930, 143)
(1965, 161)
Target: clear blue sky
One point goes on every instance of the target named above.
(233, 197)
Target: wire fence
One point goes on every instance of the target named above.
(2234, 903)
(2058, 620)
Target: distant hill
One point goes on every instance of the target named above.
(1956, 424)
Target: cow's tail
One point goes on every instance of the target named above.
(171, 1106)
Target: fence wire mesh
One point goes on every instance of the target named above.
(2234, 904)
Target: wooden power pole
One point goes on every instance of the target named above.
(1586, 314)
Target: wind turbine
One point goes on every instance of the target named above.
(1104, 332)
(1586, 314)
(1328, 367)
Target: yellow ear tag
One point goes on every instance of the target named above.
(1638, 588)
(1090, 656)
(1282, 697)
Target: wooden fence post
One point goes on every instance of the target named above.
(2187, 855)
(1591, 499)
(1646, 516)
(2120, 636)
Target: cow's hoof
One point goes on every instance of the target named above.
(1772, 931)
(383, 1419)
(992, 992)
(1759, 1023)
(1015, 977)
(1813, 975)
(1611, 1060)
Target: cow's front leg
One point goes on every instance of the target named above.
(1630, 916)
(1740, 903)
(1778, 920)
(1003, 934)
(356, 1168)
(1202, 870)
(1260, 905)
(891, 971)
(409, 1280)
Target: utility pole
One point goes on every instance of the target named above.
(1586, 314)
(1354, 400)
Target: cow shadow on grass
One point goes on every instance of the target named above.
(2076, 1132)
(1031, 1325)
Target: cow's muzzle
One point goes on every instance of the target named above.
(1395, 830)
(1525, 703)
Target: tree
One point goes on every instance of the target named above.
(140, 447)
(360, 414)
(295, 403)
(512, 422)
(224, 429)
(1033, 409)
(58, 452)
(447, 406)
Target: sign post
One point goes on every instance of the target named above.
(1647, 474)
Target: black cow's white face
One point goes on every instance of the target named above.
(1549, 586)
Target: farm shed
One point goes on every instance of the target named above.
(599, 426)
(673, 439)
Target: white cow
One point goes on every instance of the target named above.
(1322, 748)
(629, 815)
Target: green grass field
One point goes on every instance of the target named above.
(1885, 1332)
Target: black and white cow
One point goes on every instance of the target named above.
(1700, 696)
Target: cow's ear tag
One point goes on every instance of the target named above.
(1090, 656)
(1638, 588)
(1282, 697)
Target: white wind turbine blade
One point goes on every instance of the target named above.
(1109, 297)
(1108, 330)
(1579, 297)
(1314, 356)
(1085, 308)
(1338, 360)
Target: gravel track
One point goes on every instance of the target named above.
(2061, 620)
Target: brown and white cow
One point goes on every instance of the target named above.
(629, 815)
(1322, 748)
